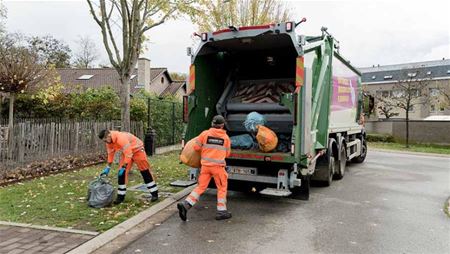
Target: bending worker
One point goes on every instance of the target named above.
(214, 146)
(132, 150)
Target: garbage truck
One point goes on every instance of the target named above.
(308, 93)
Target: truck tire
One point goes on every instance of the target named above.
(326, 165)
(341, 163)
(362, 156)
(302, 192)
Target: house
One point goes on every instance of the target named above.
(152, 80)
(178, 88)
(380, 82)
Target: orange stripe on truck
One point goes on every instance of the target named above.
(300, 72)
(191, 78)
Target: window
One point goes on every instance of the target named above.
(385, 94)
(85, 77)
(374, 77)
(398, 93)
(411, 108)
(412, 74)
(429, 73)
(132, 77)
(448, 71)
(441, 109)
(432, 108)
(162, 80)
(434, 92)
(388, 77)
(415, 92)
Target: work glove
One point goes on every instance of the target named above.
(105, 171)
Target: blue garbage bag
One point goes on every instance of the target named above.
(244, 141)
(253, 119)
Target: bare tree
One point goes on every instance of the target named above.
(387, 110)
(445, 93)
(86, 54)
(409, 91)
(219, 14)
(131, 18)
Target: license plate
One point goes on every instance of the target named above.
(242, 170)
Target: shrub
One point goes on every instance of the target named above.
(380, 138)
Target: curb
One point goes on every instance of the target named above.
(410, 153)
(64, 230)
(106, 237)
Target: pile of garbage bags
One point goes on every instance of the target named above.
(259, 137)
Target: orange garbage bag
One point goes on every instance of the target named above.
(267, 139)
(189, 156)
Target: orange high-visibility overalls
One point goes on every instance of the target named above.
(132, 149)
(214, 145)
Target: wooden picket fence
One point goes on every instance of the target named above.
(41, 140)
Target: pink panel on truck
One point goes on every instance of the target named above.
(344, 100)
(345, 93)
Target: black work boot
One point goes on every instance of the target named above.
(183, 208)
(223, 215)
(154, 196)
(119, 199)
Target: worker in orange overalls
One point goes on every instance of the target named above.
(132, 150)
(214, 146)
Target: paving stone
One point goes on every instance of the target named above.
(9, 241)
(29, 245)
(35, 249)
(49, 249)
(24, 230)
(50, 236)
(11, 246)
(29, 240)
(16, 251)
(61, 251)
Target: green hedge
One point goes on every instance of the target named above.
(103, 104)
(380, 138)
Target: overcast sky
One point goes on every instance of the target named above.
(370, 32)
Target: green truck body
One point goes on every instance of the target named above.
(307, 92)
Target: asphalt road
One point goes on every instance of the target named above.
(392, 203)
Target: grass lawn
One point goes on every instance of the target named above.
(412, 148)
(60, 200)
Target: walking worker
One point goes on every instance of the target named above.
(132, 150)
(214, 146)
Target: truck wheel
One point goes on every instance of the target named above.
(342, 163)
(302, 192)
(362, 157)
(325, 166)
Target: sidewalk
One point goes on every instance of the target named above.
(18, 239)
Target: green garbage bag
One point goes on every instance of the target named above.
(100, 192)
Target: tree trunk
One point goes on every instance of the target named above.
(125, 103)
(407, 128)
